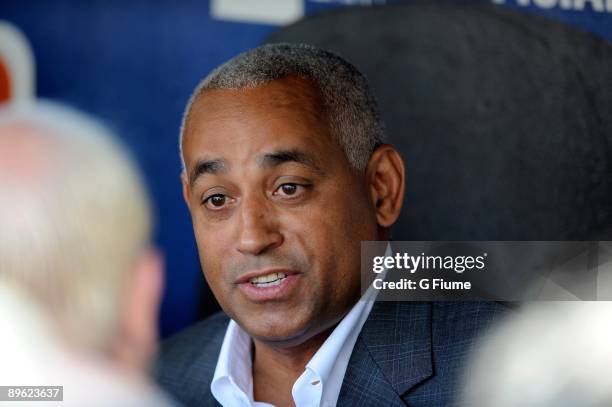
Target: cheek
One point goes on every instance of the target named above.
(352, 222)
(332, 232)
(212, 243)
(346, 218)
(211, 236)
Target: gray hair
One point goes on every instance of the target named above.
(71, 235)
(351, 109)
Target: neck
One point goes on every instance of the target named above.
(275, 369)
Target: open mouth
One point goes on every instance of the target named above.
(276, 285)
(268, 280)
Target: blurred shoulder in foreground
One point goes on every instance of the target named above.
(550, 354)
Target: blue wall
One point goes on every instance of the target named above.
(134, 63)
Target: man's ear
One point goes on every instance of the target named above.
(136, 340)
(185, 183)
(385, 176)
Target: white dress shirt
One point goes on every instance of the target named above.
(319, 385)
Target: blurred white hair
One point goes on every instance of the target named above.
(73, 219)
(551, 354)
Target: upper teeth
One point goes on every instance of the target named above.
(268, 278)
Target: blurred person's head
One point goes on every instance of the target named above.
(550, 354)
(75, 232)
(285, 174)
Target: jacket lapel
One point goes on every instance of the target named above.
(393, 354)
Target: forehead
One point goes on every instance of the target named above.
(285, 113)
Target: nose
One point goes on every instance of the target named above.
(258, 230)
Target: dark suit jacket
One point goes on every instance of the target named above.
(408, 353)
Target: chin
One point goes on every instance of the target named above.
(279, 331)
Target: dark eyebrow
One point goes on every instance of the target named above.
(279, 157)
(202, 167)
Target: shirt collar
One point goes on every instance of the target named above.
(339, 345)
(232, 382)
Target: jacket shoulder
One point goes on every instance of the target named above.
(457, 329)
(186, 361)
(414, 352)
(463, 322)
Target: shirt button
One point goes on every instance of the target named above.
(315, 382)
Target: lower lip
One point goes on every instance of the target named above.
(275, 292)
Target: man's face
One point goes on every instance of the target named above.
(278, 213)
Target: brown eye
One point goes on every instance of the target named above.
(289, 189)
(216, 201)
